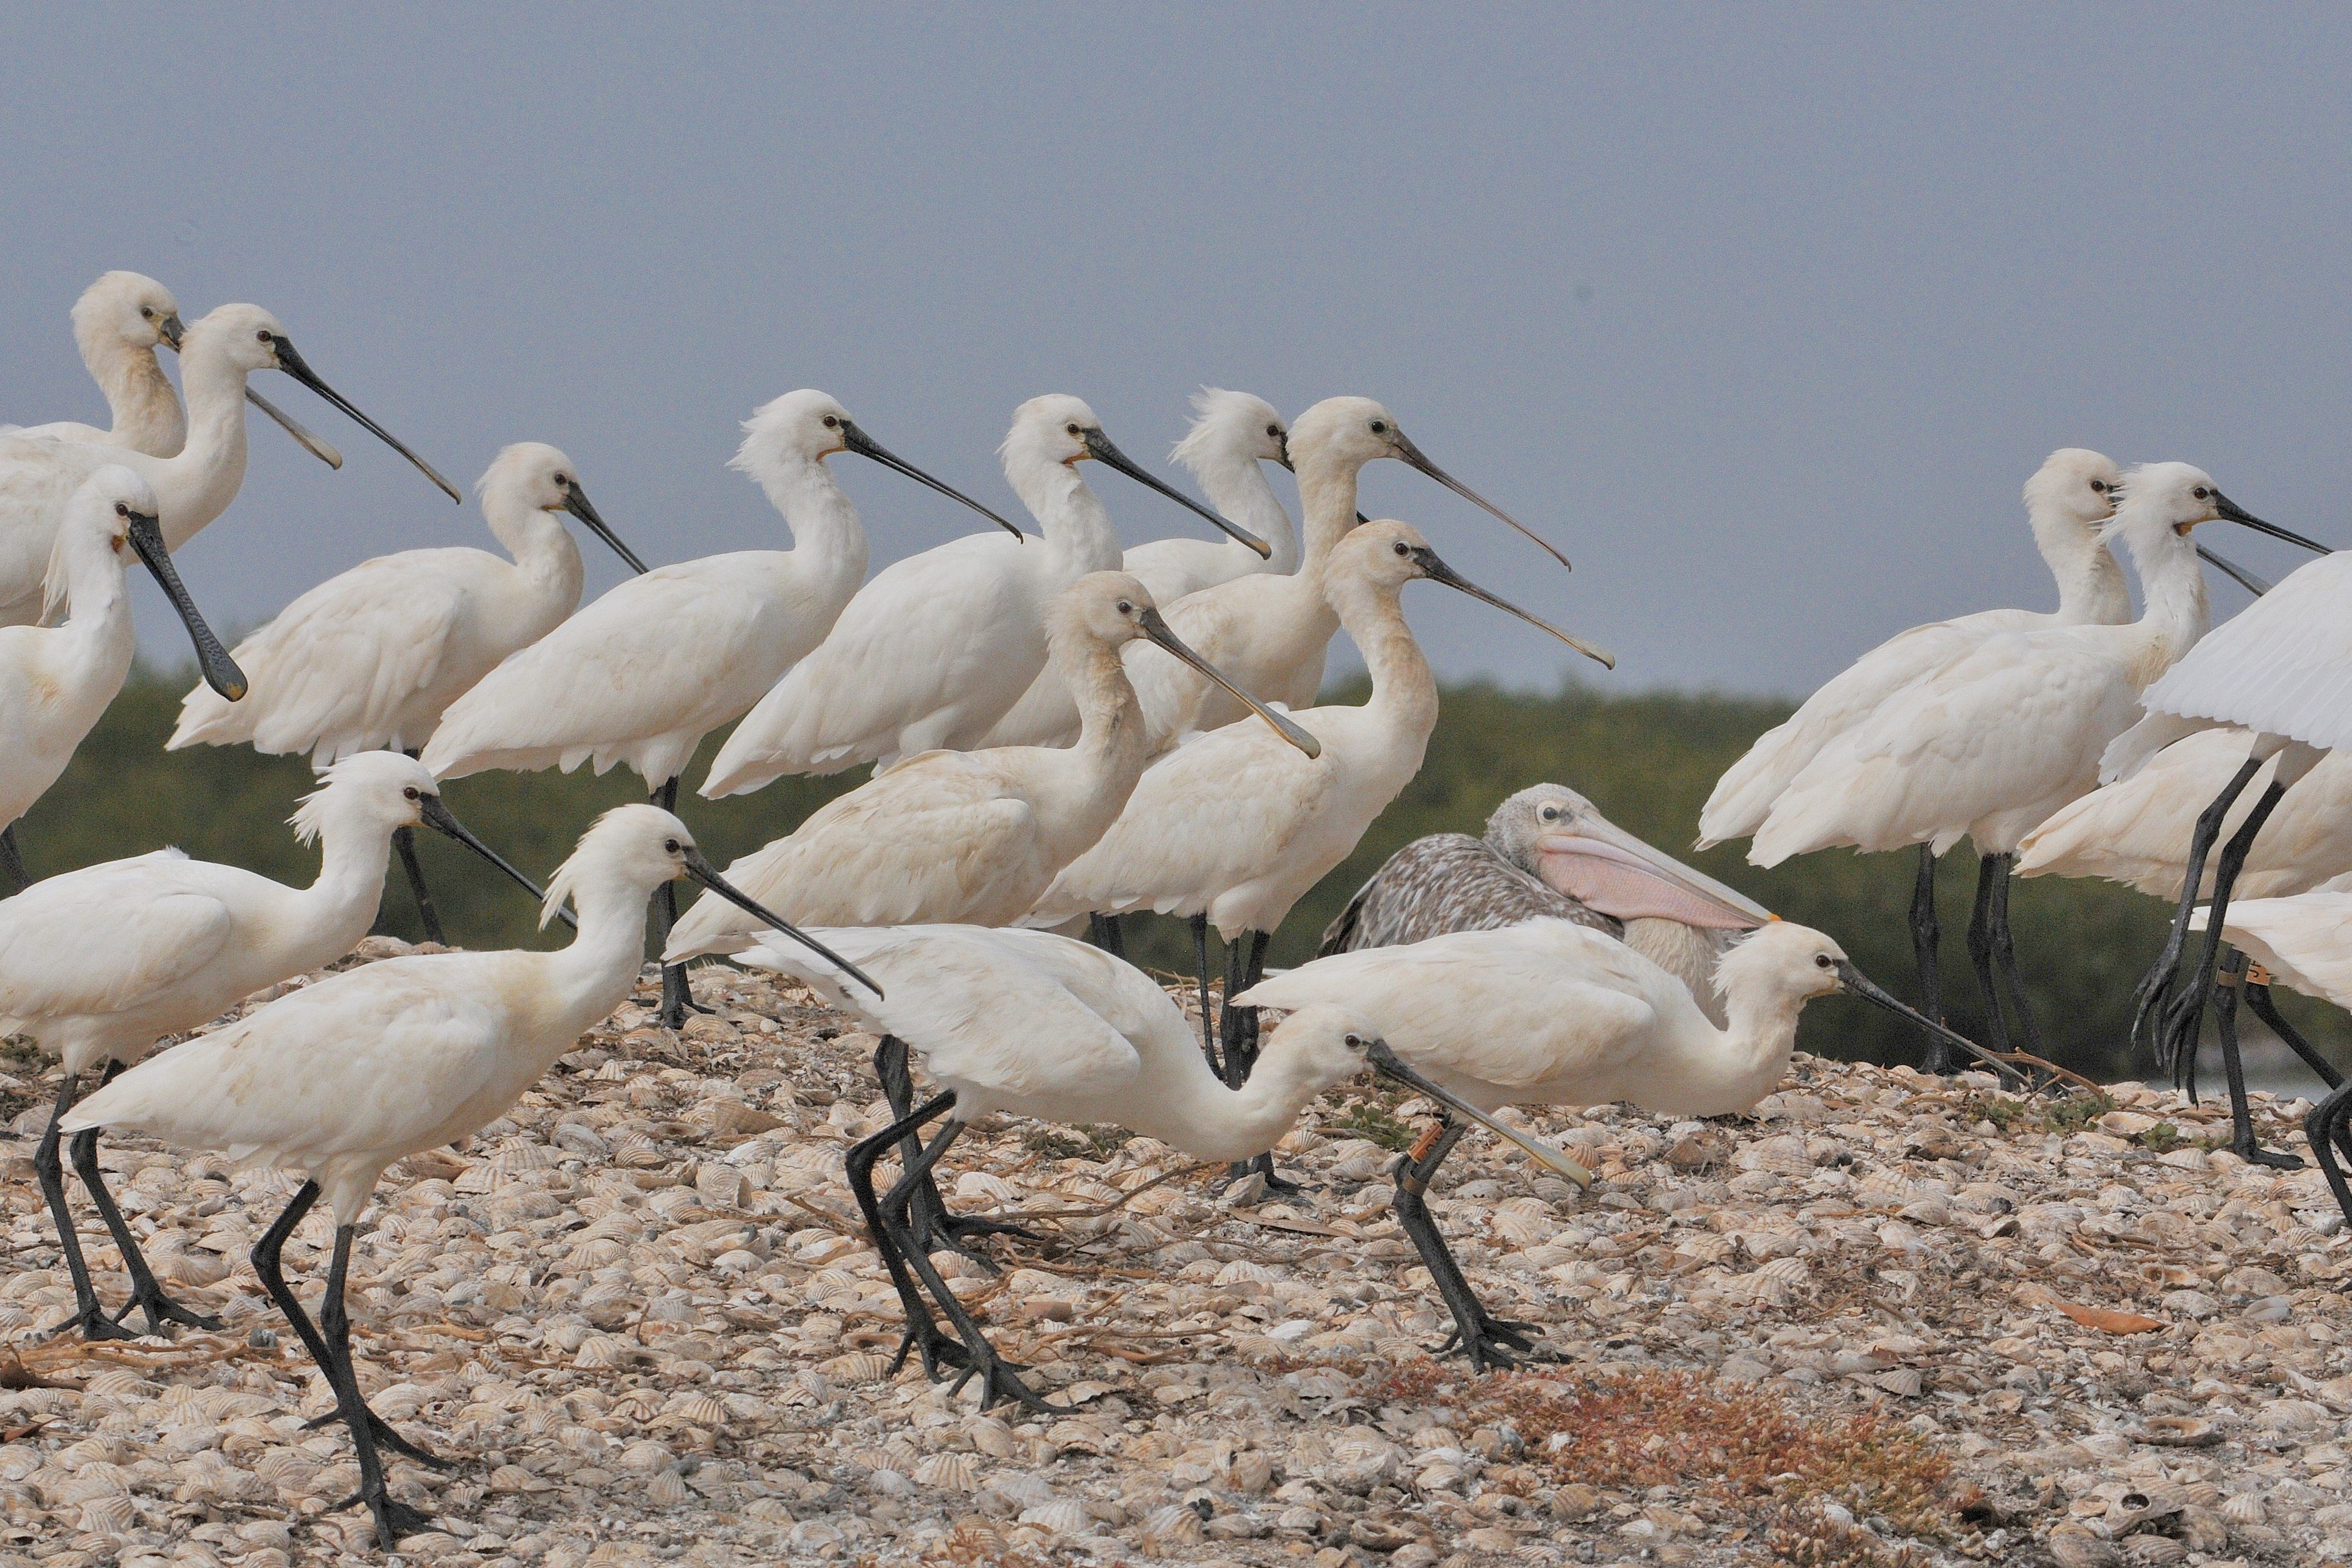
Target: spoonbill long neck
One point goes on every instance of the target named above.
(147, 414)
(1111, 736)
(1327, 503)
(1191, 1107)
(2176, 611)
(338, 907)
(593, 976)
(1079, 533)
(2091, 587)
(1405, 691)
(539, 542)
(1706, 1071)
(1236, 485)
(196, 485)
(823, 525)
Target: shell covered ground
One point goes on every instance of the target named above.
(1886, 1320)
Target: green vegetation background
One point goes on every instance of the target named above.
(1647, 760)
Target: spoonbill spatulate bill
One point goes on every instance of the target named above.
(2279, 670)
(643, 674)
(374, 657)
(95, 965)
(1035, 1025)
(341, 1079)
(938, 646)
(55, 682)
(1271, 633)
(1236, 825)
(193, 487)
(1547, 852)
(117, 323)
(1233, 438)
(1552, 1013)
(1990, 744)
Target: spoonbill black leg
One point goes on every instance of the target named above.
(50, 1169)
(1240, 1029)
(1104, 931)
(933, 1226)
(2226, 984)
(677, 997)
(1981, 952)
(2188, 1011)
(2328, 1127)
(146, 1295)
(2004, 956)
(1200, 924)
(2257, 990)
(393, 1519)
(268, 1268)
(11, 861)
(405, 841)
(2155, 988)
(999, 1379)
(1489, 1342)
(923, 1333)
(1926, 935)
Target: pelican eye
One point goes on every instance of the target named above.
(410, 793)
(1549, 814)
(1379, 426)
(670, 845)
(831, 423)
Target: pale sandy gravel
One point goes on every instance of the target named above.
(639, 1310)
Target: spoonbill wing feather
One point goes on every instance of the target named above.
(37, 477)
(676, 652)
(332, 673)
(979, 1011)
(2282, 665)
(106, 939)
(943, 837)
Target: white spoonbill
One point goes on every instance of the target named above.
(55, 682)
(99, 964)
(1232, 436)
(2278, 669)
(640, 676)
(341, 1079)
(117, 323)
(1236, 825)
(2137, 830)
(1989, 746)
(1550, 852)
(192, 488)
(938, 646)
(2305, 940)
(1550, 1012)
(372, 657)
(969, 838)
(1271, 633)
(1037, 1024)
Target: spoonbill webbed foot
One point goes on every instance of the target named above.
(2328, 1127)
(385, 1438)
(161, 1309)
(1494, 1343)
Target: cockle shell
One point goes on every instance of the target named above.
(667, 1488)
(953, 1472)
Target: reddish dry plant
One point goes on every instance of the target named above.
(1740, 1443)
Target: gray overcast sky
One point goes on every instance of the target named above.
(1762, 316)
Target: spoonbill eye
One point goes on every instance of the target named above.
(410, 793)
(1402, 548)
(1075, 430)
(1355, 1042)
(148, 312)
(262, 336)
(670, 845)
(1275, 431)
(1379, 428)
(563, 481)
(830, 421)
(1821, 961)
(2100, 486)
(2201, 493)
(121, 509)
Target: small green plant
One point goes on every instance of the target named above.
(1076, 1142)
(2075, 1112)
(2067, 1116)
(1373, 1125)
(2162, 1138)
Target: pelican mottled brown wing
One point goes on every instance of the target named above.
(1449, 882)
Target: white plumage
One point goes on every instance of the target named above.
(965, 836)
(2065, 500)
(374, 657)
(2302, 939)
(641, 675)
(117, 323)
(193, 487)
(938, 646)
(2283, 666)
(1233, 436)
(55, 682)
